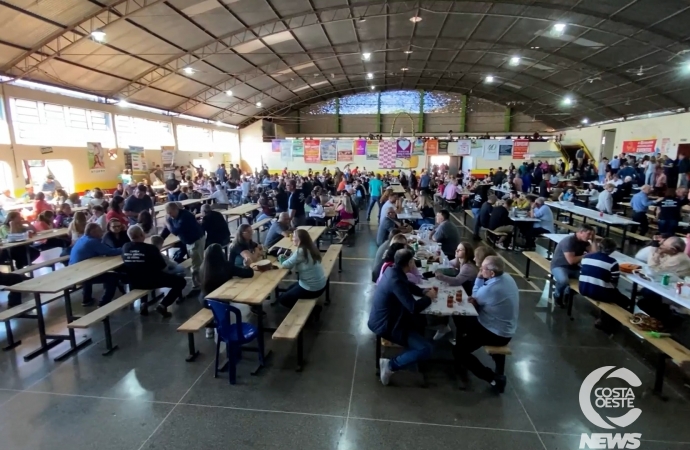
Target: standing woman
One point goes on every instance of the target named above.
(305, 260)
(650, 171)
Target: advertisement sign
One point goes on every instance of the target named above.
(311, 151)
(297, 148)
(168, 160)
(639, 146)
(344, 147)
(665, 146)
(505, 147)
(275, 146)
(387, 152)
(361, 147)
(285, 150)
(418, 147)
(372, 150)
(403, 149)
(491, 150)
(329, 151)
(432, 147)
(520, 147)
(464, 147)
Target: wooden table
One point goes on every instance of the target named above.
(608, 219)
(397, 189)
(187, 202)
(16, 206)
(314, 232)
(243, 209)
(57, 232)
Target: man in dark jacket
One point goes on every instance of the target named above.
(484, 218)
(392, 315)
(500, 220)
(183, 224)
(215, 226)
(144, 266)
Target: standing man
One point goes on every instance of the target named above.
(565, 264)
(221, 173)
(137, 203)
(615, 165)
(640, 203)
(172, 187)
(183, 224)
(424, 181)
(603, 164)
(234, 173)
(375, 192)
(296, 205)
(683, 164)
(445, 234)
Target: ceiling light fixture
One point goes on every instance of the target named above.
(219, 123)
(405, 69)
(98, 35)
(366, 56)
(514, 61)
(407, 52)
(258, 104)
(489, 79)
(560, 27)
(188, 70)
(362, 19)
(535, 48)
(567, 101)
(370, 75)
(372, 87)
(228, 93)
(415, 19)
(123, 104)
(585, 121)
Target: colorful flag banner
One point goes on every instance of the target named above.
(312, 151)
(387, 153)
(344, 147)
(432, 147)
(297, 148)
(275, 146)
(403, 149)
(329, 152)
(464, 147)
(361, 147)
(418, 147)
(520, 147)
(372, 150)
(286, 150)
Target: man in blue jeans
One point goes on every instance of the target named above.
(565, 264)
(395, 315)
(375, 191)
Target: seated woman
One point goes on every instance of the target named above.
(389, 260)
(60, 197)
(116, 236)
(426, 209)
(268, 210)
(306, 261)
(317, 215)
(39, 205)
(115, 210)
(75, 230)
(64, 217)
(567, 196)
(119, 190)
(25, 254)
(97, 199)
(244, 250)
(347, 216)
(145, 221)
(73, 200)
(522, 202)
(215, 271)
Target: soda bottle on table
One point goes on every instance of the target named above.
(449, 301)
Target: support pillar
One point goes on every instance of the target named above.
(337, 114)
(420, 126)
(506, 120)
(378, 113)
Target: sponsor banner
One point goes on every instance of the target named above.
(297, 148)
(96, 157)
(372, 150)
(639, 146)
(520, 147)
(344, 147)
(432, 147)
(312, 152)
(464, 147)
(403, 149)
(329, 151)
(418, 147)
(361, 147)
(491, 150)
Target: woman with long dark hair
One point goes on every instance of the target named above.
(115, 210)
(116, 236)
(305, 260)
(244, 250)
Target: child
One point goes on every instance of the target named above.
(173, 268)
(64, 216)
(98, 217)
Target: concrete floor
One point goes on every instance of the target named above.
(145, 396)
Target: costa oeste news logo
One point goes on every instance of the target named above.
(618, 398)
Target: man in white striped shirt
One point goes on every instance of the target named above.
(599, 275)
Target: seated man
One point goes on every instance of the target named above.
(393, 315)
(538, 210)
(137, 203)
(599, 276)
(484, 217)
(389, 223)
(145, 269)
(500, 221)
(565, 263)
(215, 226)
(90, 246)
(446, 234)
(496, 298)
(278, 230)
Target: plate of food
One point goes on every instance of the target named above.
(629, 267)
(642, 275)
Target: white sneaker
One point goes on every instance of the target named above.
(385, 371)
(210, 333)
(441, 332)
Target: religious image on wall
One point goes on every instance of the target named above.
(505, 147)
(387, 153)
(344, 147)
(312, 152)
(372, 150)
(432, 147)
(491, 149)
(361, 147)
(403, 149)
(96, 157)
(297, 148)
(418, 147)
(329, 151)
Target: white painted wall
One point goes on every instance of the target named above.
(675, 127)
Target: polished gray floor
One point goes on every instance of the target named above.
(145, 396)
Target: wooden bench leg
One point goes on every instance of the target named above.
(193, 352)
(340, 262)
(11, 343)
(378, 354)
(571, 298)
(300, 352)
(328, 291)
(659, 380)
(500, 361)
(527, 269)
(108, 338)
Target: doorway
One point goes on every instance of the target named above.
(608, 139)
(36, 171)
(683, 149)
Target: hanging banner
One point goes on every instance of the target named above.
(442, 147)
(135, 158)
(168, 160)
(665, 146)
(96, 157)
(491, 149)
(297, 148)
(361, 147)
(387, 153)
(640, 146)
(285, 150)
(432, 147)
(372, 150)
(520, 147)
(505, 147)
(329, 151)
(464, 147)
(418, 147)
(275, 146)
(344, 147)
(311, 151)
(403, 149)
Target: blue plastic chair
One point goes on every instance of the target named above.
(235, 335)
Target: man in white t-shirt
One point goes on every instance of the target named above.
(390, 204)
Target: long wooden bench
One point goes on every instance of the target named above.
(668, 348)
(291, 327)
(256, 226)
(47, 263)
(195, 323)
(497, 235)
(21, 312)
(468, 212)
(103, 314)
(328, 262)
